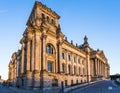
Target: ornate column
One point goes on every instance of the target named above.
(72, 66)
(44, 52)
(56, 61)
(99, 66)
(59, 57)
(103, 69)
(37, 51)
(28, 56)
(66, 55)
(95, 66)
(23, 57)
(77, 68)
(33, 53)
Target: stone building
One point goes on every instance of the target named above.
(46, 58)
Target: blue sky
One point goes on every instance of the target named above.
(98, 19)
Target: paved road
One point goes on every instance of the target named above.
(100, 87)
(16, 90)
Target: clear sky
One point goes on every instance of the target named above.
(98, 19)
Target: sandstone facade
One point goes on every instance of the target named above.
(46, 58)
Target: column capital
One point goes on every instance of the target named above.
(43, 36)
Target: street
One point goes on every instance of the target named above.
(16, 90)
(100, 87)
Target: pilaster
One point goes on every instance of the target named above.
(96, 67)
(23, 55)
(28, 56)
(37, 50)
(66, 55)
(59, 57)
(44, 52)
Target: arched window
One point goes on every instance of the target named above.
(53, 22)
(50, 49)
(48, 19)
(43, 16)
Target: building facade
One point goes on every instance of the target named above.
(46, 58)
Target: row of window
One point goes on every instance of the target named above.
(77, 82)
(48, 19)
(69, 58)
(75, 69)
(50, 69)
(50, 50)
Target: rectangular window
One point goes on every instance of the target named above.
(63, 68)
(83, 71)
(65, 82)
(74, 59)
(49, 67)
(74, 70)
(71, 82)
(63, 56)
(79, 60)
(69, 58)
(68, 69)
(83, 62)
(79, 70)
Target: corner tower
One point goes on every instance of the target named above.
(40, 47)
(42, 15)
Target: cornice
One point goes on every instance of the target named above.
(44, 7)
(69, 44)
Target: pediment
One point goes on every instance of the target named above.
(101, 54)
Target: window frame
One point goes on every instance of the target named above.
(50, 66)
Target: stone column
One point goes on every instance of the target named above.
(37, 51)
(66, 55)
(56, 61)
(103, 69)
(59, 57)
(72, 66)
(44, 52)
(23, 55)
(95, 66)
(99, 67)
(28, 56)
(77, 68)
(33, 53)
(88, 66)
